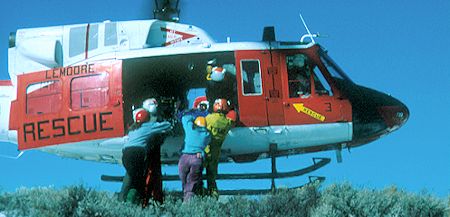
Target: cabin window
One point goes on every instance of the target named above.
(89, 91)
(110, 34)
(251, 77)
(93, 37)
(44, 97)
(77, 40)
(298, 75)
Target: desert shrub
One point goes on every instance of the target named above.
(196, 207)
(238, 206)
(344, 200)
(333, 201)
(289, 202)
(41, 201)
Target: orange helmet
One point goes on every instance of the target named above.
(200, 121)
(141, 115)
(221, 105)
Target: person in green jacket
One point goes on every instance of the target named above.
(218, 125)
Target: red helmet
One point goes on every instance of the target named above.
(141, 115)
(221, 105)
(201, 103)
(231, 115)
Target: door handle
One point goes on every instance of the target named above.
(116, 104)
(286, 104)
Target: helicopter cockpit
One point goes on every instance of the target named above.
(300, 69)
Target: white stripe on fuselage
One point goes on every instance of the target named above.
(240, 140)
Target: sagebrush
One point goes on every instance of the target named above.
(310, 200)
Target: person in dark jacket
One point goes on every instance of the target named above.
(190, 166)
(142, 134)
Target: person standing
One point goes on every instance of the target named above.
(137, 149)
(190, 165)
(153, 180)
(218, 124)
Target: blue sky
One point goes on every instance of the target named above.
(398, 47)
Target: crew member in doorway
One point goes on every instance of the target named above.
(190, 166)
(220, 85)
(142, 148)
(218, 123)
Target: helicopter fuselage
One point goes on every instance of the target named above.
(76, 101)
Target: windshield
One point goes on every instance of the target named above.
(332, 68)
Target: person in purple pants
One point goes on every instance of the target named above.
(190, 165)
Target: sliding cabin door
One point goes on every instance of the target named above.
(259, 88)
(70, 104)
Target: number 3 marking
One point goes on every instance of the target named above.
(328, 107)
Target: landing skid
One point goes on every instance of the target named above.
(317, 164)
(312, 179)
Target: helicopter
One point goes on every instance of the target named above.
(91, 76)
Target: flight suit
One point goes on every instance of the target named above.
(219, 125)
(190, 166)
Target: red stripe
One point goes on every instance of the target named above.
(87, 41)
(5, 83)
(183, 37)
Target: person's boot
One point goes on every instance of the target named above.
(131, 196)
(213, 192)
(126, 184)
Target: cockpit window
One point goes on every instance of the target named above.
(333, 69)
(320, 83)
(300, 69)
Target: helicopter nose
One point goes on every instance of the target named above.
(394, 116)
(374, 114)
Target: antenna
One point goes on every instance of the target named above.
(11, 157)
(306, 27)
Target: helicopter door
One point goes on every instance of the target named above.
(309, 99)
(70, 104)
(259, 87)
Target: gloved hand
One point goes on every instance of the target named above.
(207, 150)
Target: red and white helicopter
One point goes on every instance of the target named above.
(73, 89)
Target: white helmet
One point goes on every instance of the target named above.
(218, 73)
(151, 105)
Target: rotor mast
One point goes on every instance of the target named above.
(167, 10)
